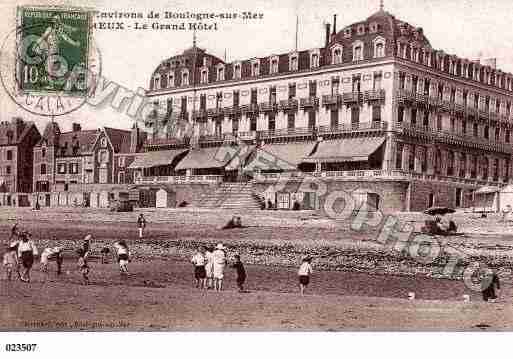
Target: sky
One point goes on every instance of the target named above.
(469, 29)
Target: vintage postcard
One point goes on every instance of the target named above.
(255, 166)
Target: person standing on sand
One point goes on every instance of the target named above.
(241, 273)
(141, 224)
(219, 264)
(123, 256)
(83, 266)
(305, 269)
(27, 250)
(489, 283)
(209, 266)
(198, 260)
(86, 246)
(10, 260)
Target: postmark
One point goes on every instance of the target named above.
(55, 62)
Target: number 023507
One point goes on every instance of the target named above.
(20, 347)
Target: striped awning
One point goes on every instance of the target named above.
(240, 158)
(208, 157)
(346, 150)
(284, 157)
(155, 158)
(487, 189)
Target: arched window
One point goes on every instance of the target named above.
(336, 55)
(314, 60)
(220, 73)
(274, 65)
(171, 80)
(204, 76)
(156, 82)
(357, 51)
(255, 68)
(293, 63)
(236, 71)
(185, 78)
(379, 50)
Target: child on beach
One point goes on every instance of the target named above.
(86, 246)
(10, 260)
(209, 266)
(27, 250)
(83, 266)
(200, 274)
(241, 273)
(123, 255)
(54, 252)
(305, 269)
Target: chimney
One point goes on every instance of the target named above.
(76, 127)
(327, 35)
(134, 139)
(18, 126)
(334, 24)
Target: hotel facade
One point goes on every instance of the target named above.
(376, 112)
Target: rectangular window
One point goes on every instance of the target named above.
(184, 104)
(121, 161)
(236, 98)
(440, 92)
(425, 121)
(464, 126)
(219, 100)
(355, 117)
(453, 124)
(414, 116)
(400, 114)
(272, 95)
(9, 155)
(402, 80)
(43, 152)
(203, 102)
(465, 98)
(335, 84)
(497, 134)
(253, 123)
(73, 168)
(43, 168)
(439, 123)
(254, 96)
(235, 125)
(292, 91)
(453, 95)
(507, 136)
(311, 119)
(291, 121)
(377, 85)
(486, 132)
(399, 156)
(376, 113)
(476, 130)
(8, 170)
(426, 87)
(271, 122)
(356, 83)
(312, 88)
(334, 118)
(414, 83)
(218, 127)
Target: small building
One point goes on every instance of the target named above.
(165, 198)
(487, 199)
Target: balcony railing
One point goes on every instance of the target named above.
(332, 100)
(284, 132)
(214, 112)
(453, 137)
(369, 174)
(374, 95)
(250, 108)
(287, 105)
(199, 114)
(232, 110)
(352, 97)
(360, 126)
(309, 102)
(268, 106)
(167, 142)
(179, 179)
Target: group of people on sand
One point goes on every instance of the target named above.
(21, 252)
(209, 266)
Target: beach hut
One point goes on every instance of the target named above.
(487, 199)
(506, 198)
(165, 198)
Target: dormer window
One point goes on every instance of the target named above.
(314, 60)
(347, 32)
(274, 65)
(255, 68)
(358, 51)
(379, 47)
(373, 28)
(293, 63)
(156, 82)
(236, 71)
(360, 30)
(204, 76)
(336, 55)
(185, 77)
(220, 73)
(171, 80)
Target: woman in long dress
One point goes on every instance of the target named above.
(27, 250)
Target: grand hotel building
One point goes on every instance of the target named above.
(376, 111)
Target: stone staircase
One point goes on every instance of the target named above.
(230, 195)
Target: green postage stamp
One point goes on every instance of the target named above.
(53, 50)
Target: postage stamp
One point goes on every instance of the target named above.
(52, 45)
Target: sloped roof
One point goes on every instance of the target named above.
(208, 157)
(284, 157)
(84, 138)
(346, 150)
(155, 158)
(120, 139)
